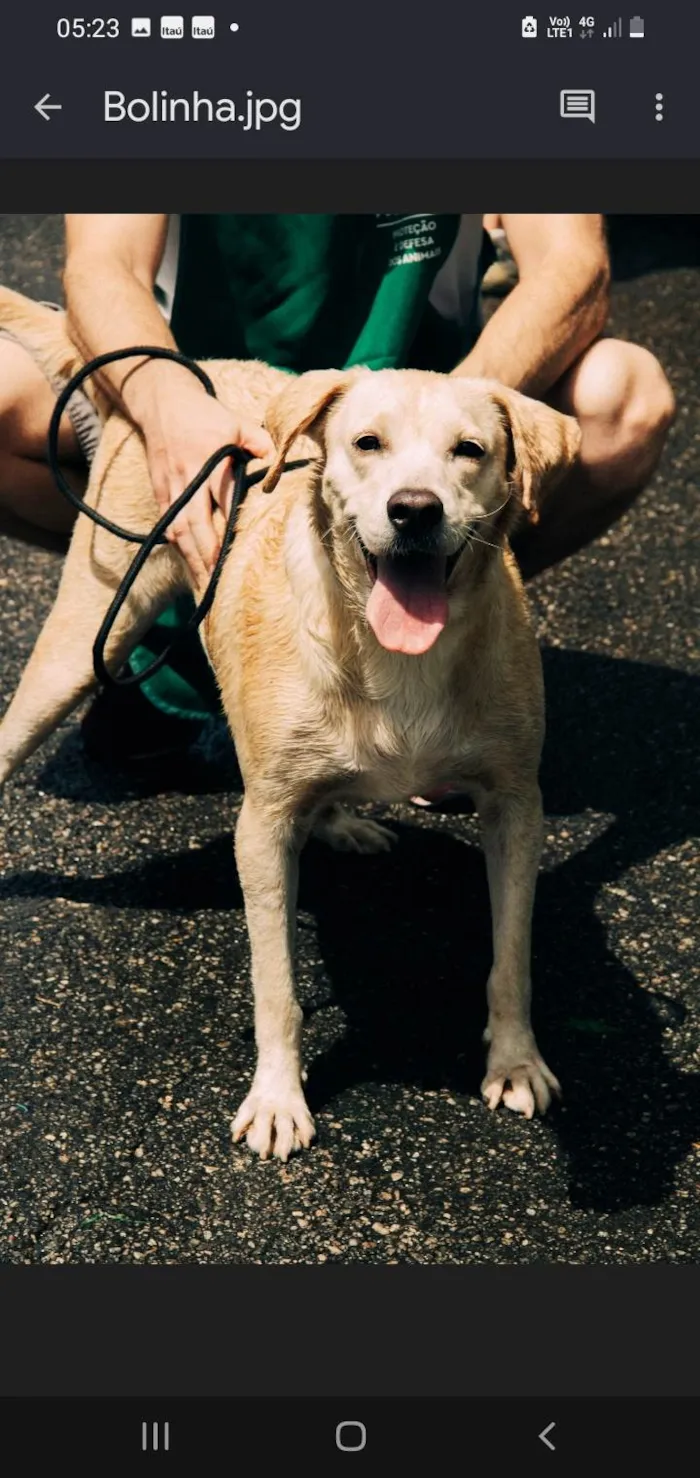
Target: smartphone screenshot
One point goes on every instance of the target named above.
(349, 994)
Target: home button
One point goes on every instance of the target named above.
(351, 1436)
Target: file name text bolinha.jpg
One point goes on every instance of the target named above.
(160, 107)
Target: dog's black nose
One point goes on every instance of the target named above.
(414, 511)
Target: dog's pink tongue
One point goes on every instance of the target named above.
(407, 609)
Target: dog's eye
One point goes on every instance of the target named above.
(368, 443)
(468, 449)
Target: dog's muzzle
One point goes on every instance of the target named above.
(408, 606)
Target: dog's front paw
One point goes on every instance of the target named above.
(346, 832)
(518, 1077)
(275, 1121)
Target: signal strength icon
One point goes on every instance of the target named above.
(615, 30)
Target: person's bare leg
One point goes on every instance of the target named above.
(28, 495)
(625, 406)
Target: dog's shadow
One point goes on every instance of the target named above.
(406, 943)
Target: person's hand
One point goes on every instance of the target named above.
(183, 428)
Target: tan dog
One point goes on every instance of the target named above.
(371, 640)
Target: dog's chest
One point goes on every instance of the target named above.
(398, 746)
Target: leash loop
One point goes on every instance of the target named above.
(149, 542)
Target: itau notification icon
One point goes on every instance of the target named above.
(529, 25)
(203, 27)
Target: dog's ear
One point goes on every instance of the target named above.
(543, 445)
(301, 408)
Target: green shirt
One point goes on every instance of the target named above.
(322, 291)
(308, 292)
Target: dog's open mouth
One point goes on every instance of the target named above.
(407, 608)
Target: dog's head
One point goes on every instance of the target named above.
(419, 471)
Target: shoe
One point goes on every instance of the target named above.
(502, 275)
(122, 728)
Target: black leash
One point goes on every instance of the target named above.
(149, 542)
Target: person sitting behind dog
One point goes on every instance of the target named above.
(307, 292)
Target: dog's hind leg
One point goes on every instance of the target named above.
(346, 832)
(59, 673)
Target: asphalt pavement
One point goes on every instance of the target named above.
(125, 1010)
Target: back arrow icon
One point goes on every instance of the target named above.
(544, 1437)
(45, 107)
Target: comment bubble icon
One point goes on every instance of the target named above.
(577, 102)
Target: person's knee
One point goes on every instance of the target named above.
(16, 375)
(26, 403)
(625, 405)
(8, 402)
(27, 489)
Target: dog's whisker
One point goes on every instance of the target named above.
(475, 539)
(494, 511)
(346, 536)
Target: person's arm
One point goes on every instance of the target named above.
(111, 267)
(558, 307)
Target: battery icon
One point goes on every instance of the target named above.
(636, 26)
